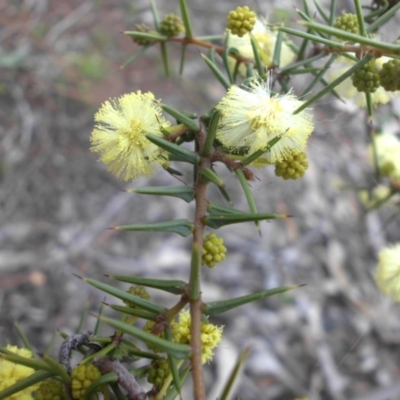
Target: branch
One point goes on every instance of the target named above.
(125, 378)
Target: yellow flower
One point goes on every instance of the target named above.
(388, 154)
(253, 117)
(266, 39)
(119, 137)
(387, 276)
(11, 373)
(82, 377)
(211, 335)
(346, 88)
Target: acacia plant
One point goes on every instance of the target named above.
(260, 122)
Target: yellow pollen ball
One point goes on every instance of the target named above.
(120, 135)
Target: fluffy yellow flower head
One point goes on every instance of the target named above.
(11, 373)
(388, 154)
(119, 137)
(348, 91)
(211, 335)
(253, 117)
(266, 39)
(387, 276)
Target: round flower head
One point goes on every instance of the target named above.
(387, 276)
(253, 117)
(82, 377)
(11, 373)
(211, 335)
(159, 372)
(346, 88)
(51, 389)
(266, 39)
(387, 149)
(120, 135)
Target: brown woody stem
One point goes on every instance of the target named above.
(200, 189)
(125, 378)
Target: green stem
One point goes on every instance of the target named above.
(360, 17)
(185, 18)
(386, 48)
(384, 17)
(332, 15)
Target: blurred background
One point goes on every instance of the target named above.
(335, 338)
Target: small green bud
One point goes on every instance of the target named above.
(241, 21)
(171, 25)
(148, 327)
(51, 389)
(292, 167)
(138, 291)
(390, 75)
(159, 370)
(366, 79)
(214, 250)
(142, 41)
(347, 22)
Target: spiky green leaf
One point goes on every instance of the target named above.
(175, 349)
(125, 296)
(170, 286)
(185, 193)
(217, 221)
(182, 227)
(179, 152)
(220, 307)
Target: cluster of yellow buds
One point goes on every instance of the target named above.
(159, 370)
(138, 291)
(347, 22)
(82, 377)
(390, 75)
(171, 25)
(51, 389)
(142, 41)
(214, 250)
(11, 373)
(367, 79)
(241, 21)
(292, 166)
(211, 334)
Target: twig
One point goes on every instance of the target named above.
(125, 378)
(200, 189)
